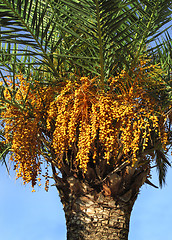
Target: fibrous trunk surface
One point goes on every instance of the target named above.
(98, 209)
(94, 215)
(103, 218)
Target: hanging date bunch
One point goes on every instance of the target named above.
(23, 116)
(91, 124)
(79, 123)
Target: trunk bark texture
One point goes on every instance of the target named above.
(103, 218)
(99, 210)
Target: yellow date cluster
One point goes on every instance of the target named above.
(77, 116)
(22, 119)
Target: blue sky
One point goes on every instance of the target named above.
(39, 216)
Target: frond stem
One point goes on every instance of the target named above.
(146, 32)
(101, 46)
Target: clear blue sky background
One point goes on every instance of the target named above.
(39, 216)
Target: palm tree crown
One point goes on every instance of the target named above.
(86, 69)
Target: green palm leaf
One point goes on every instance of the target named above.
(87, 35)
(162, 164)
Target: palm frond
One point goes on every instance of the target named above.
(162, 164)
(26, 23)
(4, 150)
(80, 36)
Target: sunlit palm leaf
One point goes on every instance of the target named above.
(90, 35)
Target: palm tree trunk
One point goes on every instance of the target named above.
(103, 218)
(93, 214)
(99, 210)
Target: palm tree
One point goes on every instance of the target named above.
(86, 89)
